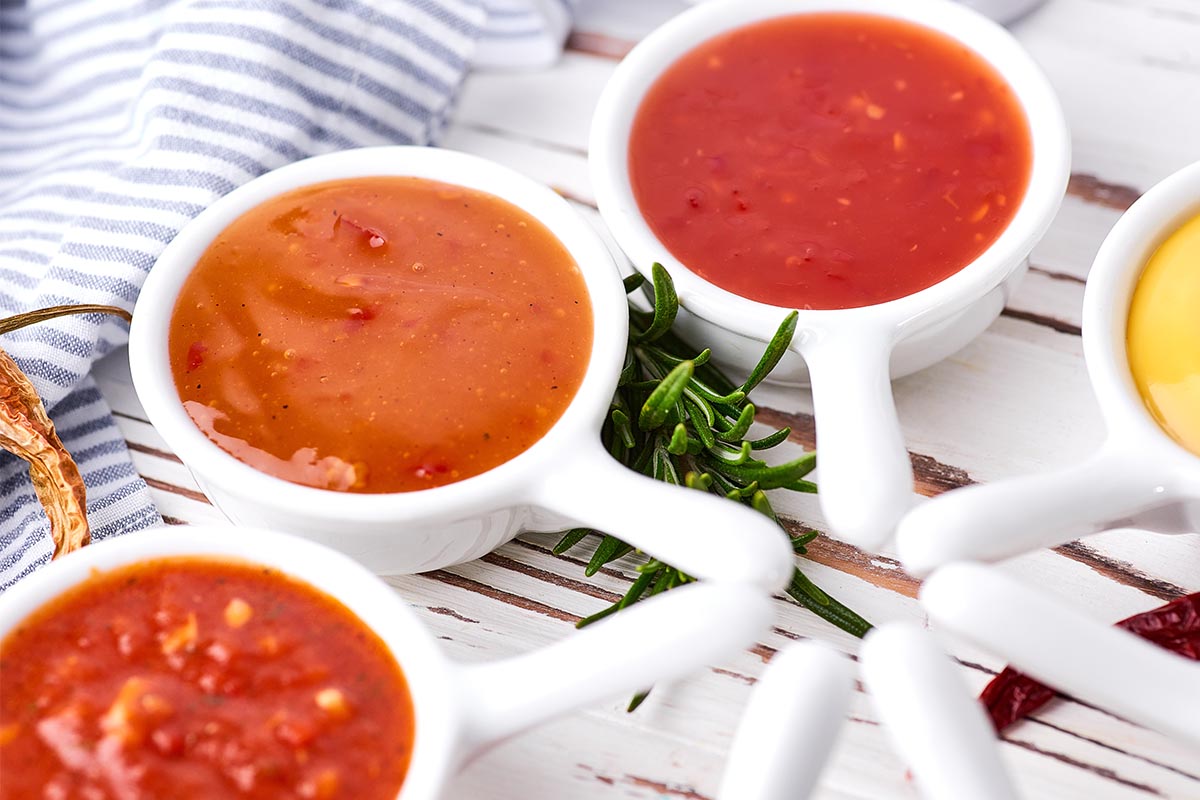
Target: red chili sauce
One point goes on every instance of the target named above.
(198, 678)
(829, 160)
(380, 334)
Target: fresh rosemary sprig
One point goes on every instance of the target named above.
(679, 419)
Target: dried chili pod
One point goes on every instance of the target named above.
(1012, 695)
(26, 431)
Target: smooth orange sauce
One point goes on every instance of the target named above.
(381, 334)
(198, 678)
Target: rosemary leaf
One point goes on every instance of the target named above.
(629, 370)
(800, 543)
(610, 549)
(739, 429)
(807, 594)
(621, 426)
(768, 477)
(666, 305)
(767, 442)
(637, 700)
(729, 457)
(701, 423)
(759, 502)
(636, 590)
(570, 539)
(599, 615)
(658, 406)
(679, 440)
(663, 465)
(671, 359)
(775, 350)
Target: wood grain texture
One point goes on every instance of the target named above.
(1014, 401)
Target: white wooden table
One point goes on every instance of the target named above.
(1016, 400)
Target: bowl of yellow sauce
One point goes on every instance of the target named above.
(1141, 340)
(1163, 335)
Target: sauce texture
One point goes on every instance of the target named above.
(381, 334)
(196, 678)
(1163, 335)
(829, 160)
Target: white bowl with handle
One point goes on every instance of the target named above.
(848, 356)
(459, 709)
(1140, 476)
(566, 479)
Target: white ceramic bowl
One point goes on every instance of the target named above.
(459, 709)
(847, 355)
(1140, 476)
(564, 480)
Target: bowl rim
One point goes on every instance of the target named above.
(502, 486)
(427, 672)
(1107, 297)
(1049, 169)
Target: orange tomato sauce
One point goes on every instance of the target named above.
(829, 160)
(381, 334)
(195, 678)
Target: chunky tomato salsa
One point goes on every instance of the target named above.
(198, 678)
(381, 334)
(829, 160)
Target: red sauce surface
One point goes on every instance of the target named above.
(381, 335)
(829, 160)
(197, 678)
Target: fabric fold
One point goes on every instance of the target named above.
(122, 120)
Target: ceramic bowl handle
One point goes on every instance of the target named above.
(1006, 518)
(1092, 661)
(790, 725)
(658, 639)
(931, 717)
(863, 467)
(704, 535)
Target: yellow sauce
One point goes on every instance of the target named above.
(1163, 335)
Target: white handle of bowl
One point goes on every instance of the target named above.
(659, 639)
(1066, 649)
(704, 535)
(997, 520)
(931, 717)
(863, 466)
(790, 725)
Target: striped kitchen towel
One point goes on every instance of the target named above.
(121, 120)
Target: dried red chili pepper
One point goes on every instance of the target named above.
(26, 430)
(1012, 695)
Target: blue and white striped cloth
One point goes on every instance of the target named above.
(120, 120)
